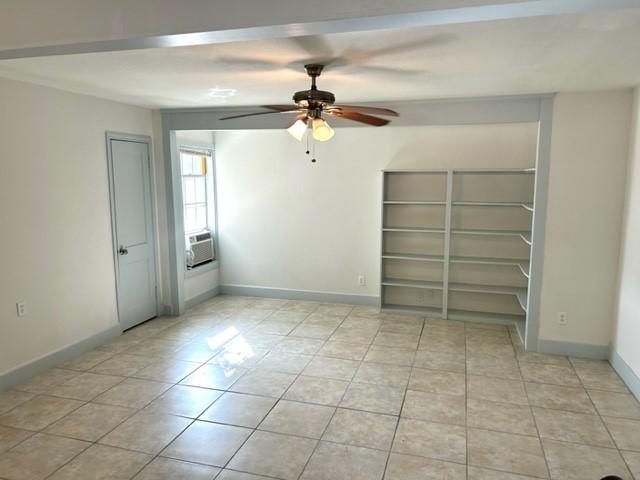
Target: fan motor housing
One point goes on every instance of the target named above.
(314, 98)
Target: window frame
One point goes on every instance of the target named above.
(209, 189)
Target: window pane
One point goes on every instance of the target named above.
(201, 217)
(187, 163)
(189, 190)
(190, 219)
(200, 193)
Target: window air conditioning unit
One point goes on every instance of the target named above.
(200, 249)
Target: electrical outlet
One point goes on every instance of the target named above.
(562, 318)
(21, 309)
(420, 297)
(362, 280)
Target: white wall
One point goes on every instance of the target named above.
(198, 283)
(288, 223)
(55, 230)
(627, 335)
(586, 196)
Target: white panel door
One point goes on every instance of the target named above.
(134, 233)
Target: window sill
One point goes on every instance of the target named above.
(207, 267)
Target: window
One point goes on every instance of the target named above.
(197, 190)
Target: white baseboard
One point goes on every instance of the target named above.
(290, 294)
(203, 297)
(626, 373)
(39, 365)
(571, 349)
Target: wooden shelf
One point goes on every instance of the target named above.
(401, 282)
(526, 236)
(413, 229)
(417, 258)
(489, 317)
(476, 288)
(495, 171)
(414, 202)
(415, 170)
(526, 206)
(489, 261)
(523, 299)
(478, 231)
(454, 198)
(410, 309)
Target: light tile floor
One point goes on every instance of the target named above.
(248, 389)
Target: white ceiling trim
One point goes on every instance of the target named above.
(449, 16)
(459, 111)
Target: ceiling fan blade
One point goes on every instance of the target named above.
(251, 63)
(316, 47)
(389, 70)
(363, 56)
(292, 110)
(357, 108)
(360, 117)
(281, 108)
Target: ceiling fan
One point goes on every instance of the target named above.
(310, 105)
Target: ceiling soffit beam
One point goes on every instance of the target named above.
(458, 111)
(449, 16)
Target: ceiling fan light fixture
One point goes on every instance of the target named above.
(298, 129)
(321, 130)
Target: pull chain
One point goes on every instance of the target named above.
(311, 151)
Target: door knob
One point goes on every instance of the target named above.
(123, 251)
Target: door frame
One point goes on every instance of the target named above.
(145, 139)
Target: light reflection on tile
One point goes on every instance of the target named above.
(314, 391)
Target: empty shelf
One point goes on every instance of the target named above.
(523, 299)
(413, 229)
(409, 256)
(524, 268)
(412, 202)
(399, 282)
(502, 318)
(495, 171)
(412, 310)
(490, 261)
(476, 231)
(475, 288)
(526, 236)
(492, 204)
(415, 170)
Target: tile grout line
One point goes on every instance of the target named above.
(606, 427)
(281, 397)
(535, 424)
(137, 410)
(96, 442)
(466, 406)
(404, 396)
(315, 355)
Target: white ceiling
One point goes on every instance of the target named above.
(531, 55)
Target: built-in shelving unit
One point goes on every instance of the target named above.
(456, 243)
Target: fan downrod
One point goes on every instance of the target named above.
(313, 70)
(313, 99)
